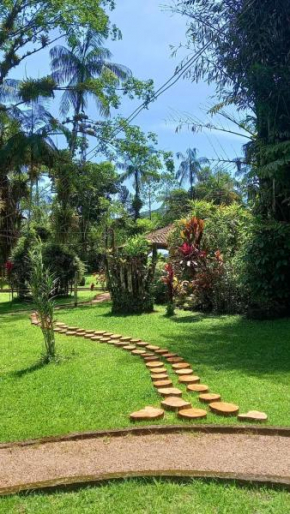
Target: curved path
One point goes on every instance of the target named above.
(260, 458)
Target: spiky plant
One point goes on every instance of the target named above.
(42, 284)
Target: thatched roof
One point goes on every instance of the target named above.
(159, 237)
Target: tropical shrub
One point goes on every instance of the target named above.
(130, 276)
(266, 269)
(64, 264)
(159, 288)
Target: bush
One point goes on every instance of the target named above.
(159, 288)
(266, 269)
(64, 264)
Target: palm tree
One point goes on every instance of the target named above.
(86, 59)
(189, 167)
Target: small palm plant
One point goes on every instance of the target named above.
(42, 286)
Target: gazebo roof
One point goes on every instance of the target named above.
(159, 237)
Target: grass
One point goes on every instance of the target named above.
(94, 386)
(153, 497)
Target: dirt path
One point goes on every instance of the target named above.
(233, 455)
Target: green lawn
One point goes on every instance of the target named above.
(95, 386)
(153, 497)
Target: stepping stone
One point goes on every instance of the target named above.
(88, 336)
(253, 415)
(129, 347)
(198, 388)
(152, 347)
(108, 334)
(174, 403)
(142, 344)
(169, 354)
(174, 360)
(149, 354)
(209, 397)
(58, 323)
(94, 338)
(224, 409)
(189, 379)
(157, 370)
(118, 343)
(55, 329)
(154, 364)
(81, 331)
(147, 413)
(159, 376)
(104, 339)
(70, 332)
(186, 371)
(73, 328)
(181, 365)
(162, 383)
(138, 352)
(135, 341)
(192, 413)
(148, 359)
(125, 339)
(169, 391)
(161, 351)
(91, 332)
(116, 336)
(99, 332)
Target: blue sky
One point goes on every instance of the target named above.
(148, 31)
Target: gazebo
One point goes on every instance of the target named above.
(158, 239)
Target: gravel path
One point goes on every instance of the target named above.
(237, 454)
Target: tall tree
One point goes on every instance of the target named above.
(189, 167)
(85, 59)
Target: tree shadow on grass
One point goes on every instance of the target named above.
(255, 347)
(26, 371)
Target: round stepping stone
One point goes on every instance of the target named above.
(186, 371)
(174, 403)
(55, 329)
(72, 328)
(125, 339)
(192, 413)
(154, 364)
(104, 339)
(158, 370)
(93, 338)
(162, 383)
(142, 344)
(181, 365)
(159, 376)
(135, 341)
(147, 413)
(148, 354)
(116, 336)
(108, 334)
(209, 397)
(169, 354)
(90, 332)
(138, 352)
(71, 333)
(224, 409)
(198, 388)
(58, 323)
(174, 360)
(152, 347)
(88, 336)
(169, 391)
(253, 415)
(119, 344)
(99, 332)
(161, 351)
(148, 359)
(129, 347)
(188, 379)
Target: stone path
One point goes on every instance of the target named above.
(238, 456)
(154, 361)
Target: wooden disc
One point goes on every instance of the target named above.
(189, 379)
(224, 409)
(72, 328)
(116, 336)
(169, 391)
(169, 354)
(253, 415)
(161, 351)
(129, 347)
(99, 332)
(174, 403)
(159, 376)
(108, 334)
(135, 341)
(58, 323)
(154, 364)
(148, 354)
(142, 344)
(181, 365)
(192, 413)
(152, 347)
(157, 370)
(89, 332)
(70, 332)
(181, 372)
(147, 413)
(138, 352)
(104, 339)
(198, 388)
(162, 383)
(125, 339)
(149, 359)
(55, 329)
(94, 338)
(119, 344)
(209, 397)
(174, 360)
